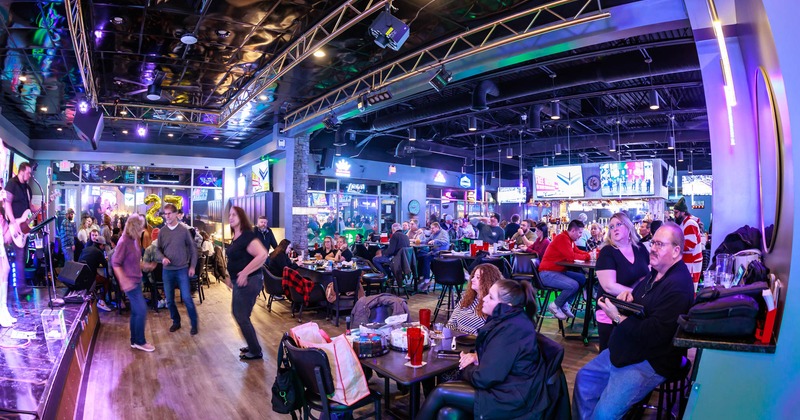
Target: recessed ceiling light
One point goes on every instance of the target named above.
(124, 131)
(223, 33)
(262, 97)
(118, 20)
(123, 112)
(23, 78)
(170, 135)
(179, 117)
(189, 39)
(43, 109)
(59, 129)
(319, 53)
(216, 138)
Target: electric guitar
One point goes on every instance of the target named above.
(20, 227)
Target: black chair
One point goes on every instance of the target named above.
(156, 284)
(674, 390)
(316, 299)
(195, 281)
(314, 371)
(373, 279)
(273, 285)
(450, 274)
(345, 284)
(545, 293)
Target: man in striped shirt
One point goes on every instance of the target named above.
(692, 245)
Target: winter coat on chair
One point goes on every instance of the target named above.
(404, 263)
(510, 378)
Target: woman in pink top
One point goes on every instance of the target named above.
(127, 263)
(542, 241)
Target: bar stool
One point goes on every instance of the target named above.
(450, 274)
(673, 390)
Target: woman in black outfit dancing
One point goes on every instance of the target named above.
(246, 255)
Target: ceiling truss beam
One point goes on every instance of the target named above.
(158, 114)
(77, 29)
(490, 35)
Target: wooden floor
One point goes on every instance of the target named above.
(201, 377)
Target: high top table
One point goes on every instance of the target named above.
(589, 288)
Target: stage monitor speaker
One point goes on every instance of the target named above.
(327, 158)
(76, 275)
(89, 126)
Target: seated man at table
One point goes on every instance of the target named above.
(439, 241)
(640, 354)
(488, 229)
(94, 257)
(557, 276)
(397, 242)
(524, 232)
(342, 250)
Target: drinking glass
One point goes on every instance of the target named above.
(725, 263)
(725, 279)
(425, 317)
(415, 345)
(709, 278)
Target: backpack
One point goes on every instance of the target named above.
(287, 390)
(725, 312)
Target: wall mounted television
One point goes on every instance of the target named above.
(696, 184)
(558, 181)
(627, 178)
(512, 195)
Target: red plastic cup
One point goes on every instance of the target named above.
(425, 318)
(415, 345)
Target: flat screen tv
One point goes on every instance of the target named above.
(627, 178)
(558, 181)
(696, 184)
(512, 195)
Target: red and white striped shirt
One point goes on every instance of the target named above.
(692, 245)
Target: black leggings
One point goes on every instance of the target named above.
(455, 394)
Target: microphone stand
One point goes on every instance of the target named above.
(51, 290)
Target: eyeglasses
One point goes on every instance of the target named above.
(615, 226)
(659, 244)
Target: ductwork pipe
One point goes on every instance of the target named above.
(484, 88)
(353, 124)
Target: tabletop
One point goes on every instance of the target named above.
(578, 264)
(393, 363)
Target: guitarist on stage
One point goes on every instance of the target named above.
(18, 200)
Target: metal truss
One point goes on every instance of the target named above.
(329, 28)
(77, 32)
(159, 114)
(482, 38)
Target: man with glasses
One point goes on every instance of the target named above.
(178, 255)
(640, 354)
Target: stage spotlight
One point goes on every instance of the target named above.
(376, 97)
(83, 107)
(441, 79)
(331, 122)
(141, 130)
(389, 31)
(154, 92)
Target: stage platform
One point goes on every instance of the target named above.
(42, 378)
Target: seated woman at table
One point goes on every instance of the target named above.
(343, 253)
(327, 252)
(542, 240)
(506, 377)
(596, 241)
(468, 315)
(620, 265)
(279, 258)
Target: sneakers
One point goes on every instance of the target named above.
(556, 311)
(101, 305)
(567, 311)
(143, 347)
(423, 287)
(162, 304)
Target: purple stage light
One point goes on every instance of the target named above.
(83, 107)
(141, 131)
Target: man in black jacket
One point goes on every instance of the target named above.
(640, 353)
(264, 233)
(398, 241)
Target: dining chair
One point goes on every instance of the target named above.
(314, 370)
(345, 285)
(545, 293)
(273, 285)
(449, 273)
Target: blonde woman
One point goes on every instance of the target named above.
(620, 265)
(127, 263)
(595, 240)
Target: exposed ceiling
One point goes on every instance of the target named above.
(135, 48)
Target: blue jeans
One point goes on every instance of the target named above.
(179, 277)
(425, 258)
(138, 314)
(603, 391)
(69, 254)
(379, 263)
(569, 282)
(244, 298)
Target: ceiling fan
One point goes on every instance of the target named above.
(155, 90)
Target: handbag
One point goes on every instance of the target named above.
(729, 316)
(287, 390)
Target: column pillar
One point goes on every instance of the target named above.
(299, 223)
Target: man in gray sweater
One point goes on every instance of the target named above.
(178, 255)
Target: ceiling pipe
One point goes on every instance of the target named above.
(681, 59)
(479, 94)
(353, 124)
